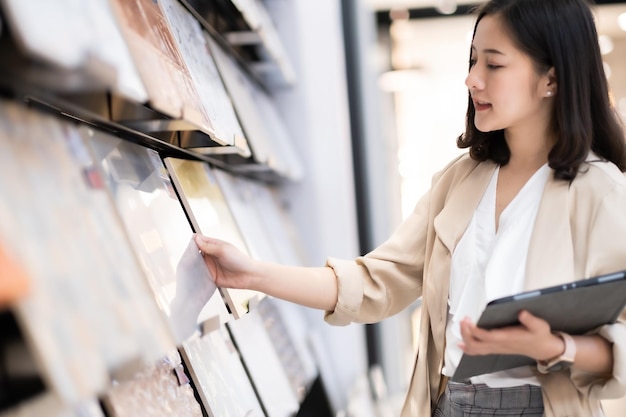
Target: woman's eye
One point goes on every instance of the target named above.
(493, 66)
(472, 62)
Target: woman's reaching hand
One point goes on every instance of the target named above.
(230, 267)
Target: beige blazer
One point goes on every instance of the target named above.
(580, 231)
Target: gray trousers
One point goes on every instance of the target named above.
(464, 400)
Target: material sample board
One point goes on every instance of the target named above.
(77, 35)
(58, 222)
(159, 231)
(158, 389)
(194, 49)
(210, 215)
(266, 370)
(161, 66)
(218, 373)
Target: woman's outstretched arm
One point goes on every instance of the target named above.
(231, 268)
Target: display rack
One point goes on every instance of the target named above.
(116, 122)
(156, 82)
(246, 27)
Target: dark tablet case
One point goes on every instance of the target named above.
(574, 308)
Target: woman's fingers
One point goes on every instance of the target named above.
(476, 341)
(533, 323)
(230, 267)
(532, 337)
(209, 246)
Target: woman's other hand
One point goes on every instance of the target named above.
(532, 337)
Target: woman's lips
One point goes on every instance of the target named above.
(480, 106)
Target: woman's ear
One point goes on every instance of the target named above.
(550, 84)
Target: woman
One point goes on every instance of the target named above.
(533, 204)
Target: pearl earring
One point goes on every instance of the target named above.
(549, 93)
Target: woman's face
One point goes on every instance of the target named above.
(506, 90)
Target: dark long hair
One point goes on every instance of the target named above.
(559, 34)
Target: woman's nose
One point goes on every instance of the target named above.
(473, 81)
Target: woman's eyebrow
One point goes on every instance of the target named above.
(489, 51)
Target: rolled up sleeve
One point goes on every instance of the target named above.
(350, 291)
(386, 280)
(601, 386)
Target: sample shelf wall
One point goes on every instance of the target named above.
(89, 97)
(83, 127)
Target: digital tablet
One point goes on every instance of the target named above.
(574, 308)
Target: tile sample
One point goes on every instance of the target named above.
(210, 215)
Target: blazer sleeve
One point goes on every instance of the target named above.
(607, 253)
(386, 280)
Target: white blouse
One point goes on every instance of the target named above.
(487, 265)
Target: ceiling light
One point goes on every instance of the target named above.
(621, 21)
(606, 44)
(446, 6)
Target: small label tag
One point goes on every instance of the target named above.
(181, 375)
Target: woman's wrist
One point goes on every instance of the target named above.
(554, 348)
(564, 360)
(257, 276)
